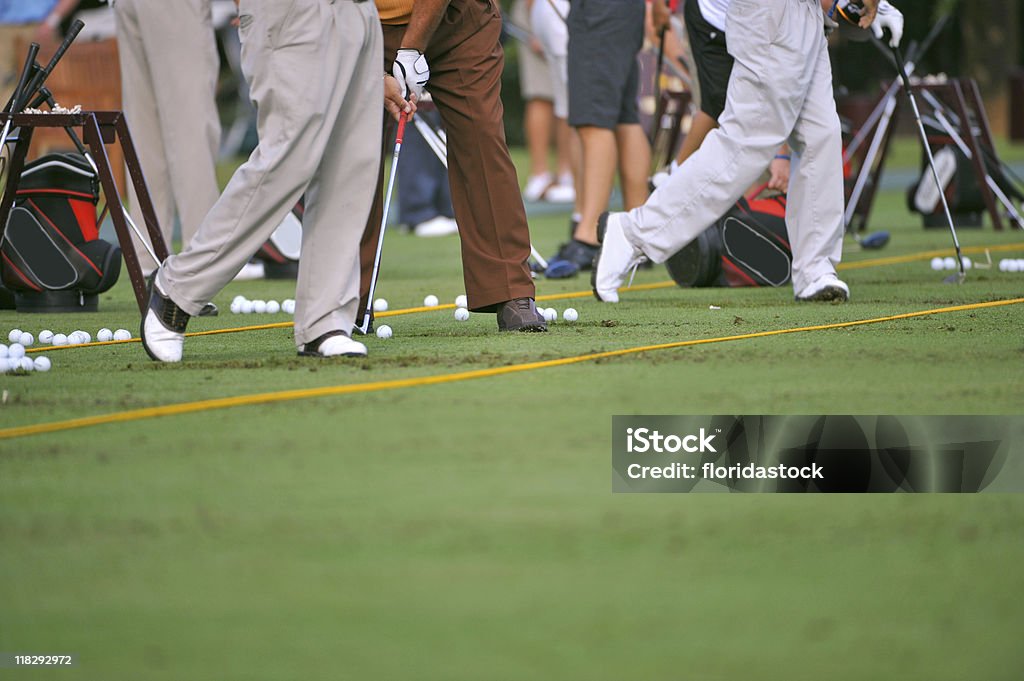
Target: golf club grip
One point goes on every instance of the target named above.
(41, 77)
(30, 59)
(400, 134)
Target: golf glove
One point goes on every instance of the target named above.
(412, 71)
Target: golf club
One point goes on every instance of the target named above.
(958, 277)
(364, 328)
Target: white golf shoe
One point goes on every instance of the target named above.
(826, 288)
(333, 344)
(163, 326)
(615, 259)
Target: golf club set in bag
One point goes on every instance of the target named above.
(51, 256)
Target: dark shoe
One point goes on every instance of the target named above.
(520, 315)
(209, 310)
(163, 326)
(333, 344)
(573, 256)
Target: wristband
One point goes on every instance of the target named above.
(782, 157)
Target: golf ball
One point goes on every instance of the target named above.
(461, 314)
(27, 364)
(550, 314)
(85, 336)
(3, 350)
(16, 351)
(949, 263)
(42, 363)
(288, 306)
(26, 339)
(236, 306)
(380, 305)
(273, 307)
(430, 301)
(967, 263)
(384, 331)
(570, 314)
(46, 336)
(104, 335)
(937, 263)
(14, 335)
(461, 301)
(5, 365)
(60, 339)
(1012, 265)
(259, 306)
(246, 307)
(237, 299)
(74, 338)
(122, 335)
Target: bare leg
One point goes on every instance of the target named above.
(634, 163)
(599, 160)
(699, 129)
(540, 118)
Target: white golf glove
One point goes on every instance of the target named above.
(412, 71)
(888, 17)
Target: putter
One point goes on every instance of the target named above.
(364, 328)
(958, 277)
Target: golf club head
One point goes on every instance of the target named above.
(875, 241)
(956, 278)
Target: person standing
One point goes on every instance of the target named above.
(780, 90)
(318, 134)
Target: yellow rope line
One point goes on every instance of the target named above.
(308, 393)
(861, 264)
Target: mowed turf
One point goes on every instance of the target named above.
(467, 530)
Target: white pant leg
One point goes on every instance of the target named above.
(814, 216)
(770, 41)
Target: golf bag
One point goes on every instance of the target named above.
(748, 246)
(52, 257)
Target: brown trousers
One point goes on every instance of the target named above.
(466, 61)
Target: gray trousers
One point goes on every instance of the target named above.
(780, 91)
(169, 67)
(314, 69)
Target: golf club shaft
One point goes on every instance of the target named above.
(365, 326)
(432, 139)
(928, 154)
(41, 76)
(26, 73)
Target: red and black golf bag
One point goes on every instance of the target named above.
(748, 246)
(52, 257)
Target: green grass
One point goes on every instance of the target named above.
(467, 530)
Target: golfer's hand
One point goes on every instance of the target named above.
(778, 175)
(867, 16)
(888, 17)
(411, 70)
(661, 15)
(394, 102)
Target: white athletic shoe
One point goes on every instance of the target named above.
(163, 326)
(615, 259)
(333, 344)
(826, 288)
(436, 226)
(562, 192)
(536, 186)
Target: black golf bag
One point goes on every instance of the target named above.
(748, 246)
(52, 257)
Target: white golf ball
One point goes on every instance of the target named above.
(14, 335)
(1012, 265)
(3, 350)
(46, 336)
(937, 263)
(430, 301)
(967, 263)
(74, 338)
(1002, 265)
(122, 335)
(42, 363)
(288, 306)
(16, 351)
(26, 339)
(570, 314)
(237, 299)
(1020, 264)
(85, 336)
(246, 307)
(384, 331)
(273, 307)
(461, 314)
(27, 364)
(461, 301)
(236, 307)
(949, 262)
(550, 314)
(5, 365)
(60, 339)
(259, 306)
(104, 335)
(380, 305)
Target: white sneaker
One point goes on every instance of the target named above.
(333, 344)
(536, 186)
(826, 288)
(163, 327)
(562, 192)
(436, 226)
(615, 259)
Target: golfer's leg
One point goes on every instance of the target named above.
(814, 217)
(339, 197)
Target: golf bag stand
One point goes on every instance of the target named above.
(98, 128)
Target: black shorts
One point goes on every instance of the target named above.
(605, 37)
(712, 59)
